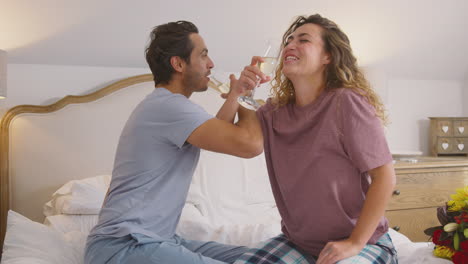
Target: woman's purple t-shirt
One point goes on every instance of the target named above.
(317, 157)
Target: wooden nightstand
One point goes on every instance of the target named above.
(423, 186)
(449, 136)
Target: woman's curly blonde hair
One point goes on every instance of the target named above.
(342, 72)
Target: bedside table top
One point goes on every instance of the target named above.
(426, 162)
(450, 118)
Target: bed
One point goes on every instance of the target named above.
(55, 167)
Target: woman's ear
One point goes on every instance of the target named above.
(177, 63)
(327, 58)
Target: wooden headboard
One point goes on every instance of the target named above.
(9, 169)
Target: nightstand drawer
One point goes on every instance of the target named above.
(421, 190)
(412, 223)
(415, 197)
(460, 145)
(460, 128)
(445, 145)
(444, 128)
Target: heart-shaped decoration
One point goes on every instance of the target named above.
(445, 129)
(445, 146)
(461, 146)
(461, 129)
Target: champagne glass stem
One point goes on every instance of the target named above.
(257, 84)
(248, 101)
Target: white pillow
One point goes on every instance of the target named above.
(31, 242)
(67, 223)
(79, 196)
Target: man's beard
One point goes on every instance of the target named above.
(193, 82)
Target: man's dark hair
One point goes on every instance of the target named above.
(167, 40)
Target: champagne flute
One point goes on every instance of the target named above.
(267, 67)
(222, 87)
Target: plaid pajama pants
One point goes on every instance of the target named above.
(279, 250)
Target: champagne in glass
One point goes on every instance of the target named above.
(222, 87)
(267, 67)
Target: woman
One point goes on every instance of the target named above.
(328, 161)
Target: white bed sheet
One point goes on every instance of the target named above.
(31, 242)
(68, 223)
(226, 220)
(414, 252)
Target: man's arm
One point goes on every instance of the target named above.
(228, 110)
(243, 139)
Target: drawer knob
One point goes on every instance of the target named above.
(396, 228)
(396, 192)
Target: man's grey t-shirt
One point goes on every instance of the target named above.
(153, 168)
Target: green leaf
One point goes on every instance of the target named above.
(456, 241)
(452, 214)
(445, 235)
(430, 231)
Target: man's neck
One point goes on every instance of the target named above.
(175, 87)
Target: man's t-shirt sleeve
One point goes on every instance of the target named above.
(182, 118)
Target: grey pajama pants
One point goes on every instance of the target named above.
(137, 248)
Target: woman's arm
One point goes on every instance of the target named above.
(377, 197)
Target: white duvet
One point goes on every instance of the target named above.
(30, 242)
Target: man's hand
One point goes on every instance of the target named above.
(233, 82)
(250, 78)
(339, 250)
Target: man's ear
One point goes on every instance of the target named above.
(177, 63)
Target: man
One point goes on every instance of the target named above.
(159, 149)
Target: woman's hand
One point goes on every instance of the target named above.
(250, 77)
(339, 250)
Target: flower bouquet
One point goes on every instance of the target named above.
(451, 237)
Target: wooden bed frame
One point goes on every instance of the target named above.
(22, 109)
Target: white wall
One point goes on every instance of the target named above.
(45, 84)
(378, 79)
(465, 95)
(411, 102)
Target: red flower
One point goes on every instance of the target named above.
(460, 258)
(464, 246)
(436, 236)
